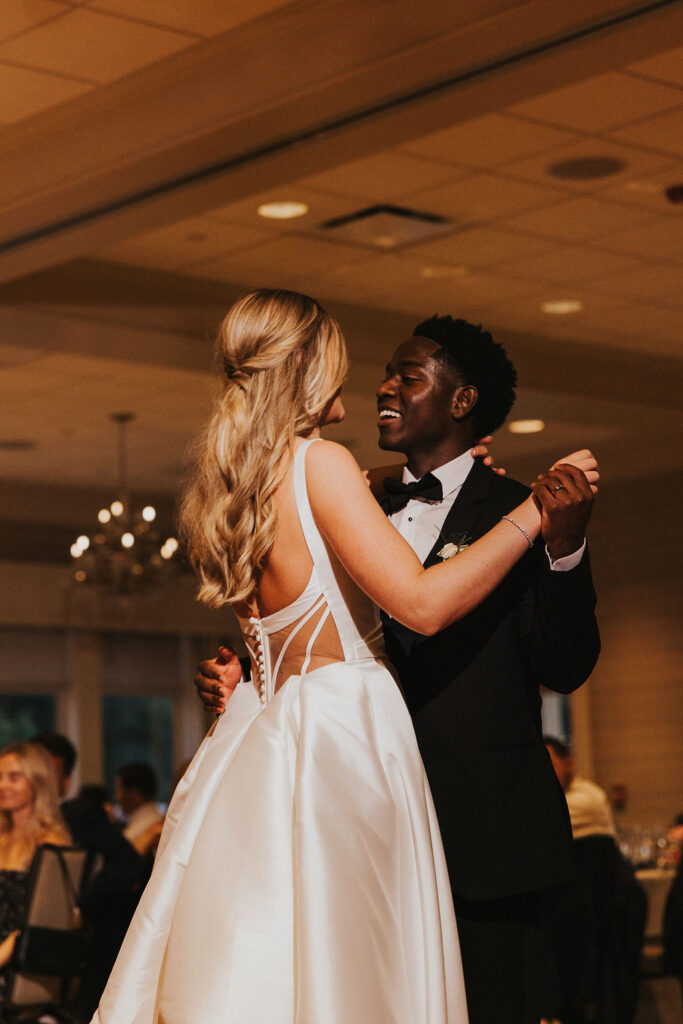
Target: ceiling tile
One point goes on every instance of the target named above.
(383, 177)
(659, 239)
(674, 298)
(570, 264)
(636, 162)
(95, 46)
(204, 17)
(655, 327)
(577, 219)
(601, 103)
(489, 141)
(19, 15)
(478, 248)
(525, 312)
(664, 133)
(394, 282)
(649, 281)
(25, 92)
(648, 191)
(294, 255)
(181, 244)
(667, 66)
(485, 197)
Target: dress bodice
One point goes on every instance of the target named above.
(332, 620)
(13, 892)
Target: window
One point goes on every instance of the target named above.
(139, 729)
(24, 715)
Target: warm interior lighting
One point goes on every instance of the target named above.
(104, 515)
(127, 540)
(116, 508)
(526, 426)
(561, 307)
(282, 210)
(149, 513)
(444, 272)
(83, 542)
(169, 548)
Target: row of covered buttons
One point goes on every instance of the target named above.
(260, 658)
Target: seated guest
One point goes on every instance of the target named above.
(115, 872)
(29, 818)
(600, 921)
(673, 915)
(135, 793)
(589, 808)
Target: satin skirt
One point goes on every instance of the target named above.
(300, 877)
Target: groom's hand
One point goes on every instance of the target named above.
(217, 678)
(565, 500)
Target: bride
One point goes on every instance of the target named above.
(300, 877)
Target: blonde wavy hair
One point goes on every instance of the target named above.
(283, 360)
(46, 818)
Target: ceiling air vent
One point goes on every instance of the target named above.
(385, 227)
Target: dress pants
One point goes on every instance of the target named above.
(510, 974)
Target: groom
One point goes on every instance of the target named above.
(473, 689)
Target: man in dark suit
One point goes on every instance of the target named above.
(473, 689)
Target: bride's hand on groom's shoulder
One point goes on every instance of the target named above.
(481, 451)
(375, 477)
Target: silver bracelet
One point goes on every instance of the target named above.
(520, 528)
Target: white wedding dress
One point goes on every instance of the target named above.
(300, 877)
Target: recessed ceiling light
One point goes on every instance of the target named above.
(561, 307)
(282, 210)
(526, 426)
(644, 186)
(444, 271)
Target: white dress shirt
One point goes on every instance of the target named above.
(420, 522)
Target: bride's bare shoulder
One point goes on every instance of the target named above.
(329, 457)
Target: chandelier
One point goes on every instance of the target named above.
(126, 551)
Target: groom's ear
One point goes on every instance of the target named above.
(464, 399)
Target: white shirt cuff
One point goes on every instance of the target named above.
(568, 562)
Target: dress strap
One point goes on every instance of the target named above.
(346, 629)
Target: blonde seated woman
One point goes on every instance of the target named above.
(300, 877)
(29, 818)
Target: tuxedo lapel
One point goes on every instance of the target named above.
(465, 511)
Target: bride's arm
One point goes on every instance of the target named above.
(385, 566)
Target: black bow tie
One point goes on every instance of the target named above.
(397, 494)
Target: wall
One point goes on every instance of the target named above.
(629, 724)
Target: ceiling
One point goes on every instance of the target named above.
(140, 136)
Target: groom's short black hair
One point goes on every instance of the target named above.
(479, 360)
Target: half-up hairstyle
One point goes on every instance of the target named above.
(283, 359)
(46, 817)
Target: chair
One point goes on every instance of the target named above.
(49, 953)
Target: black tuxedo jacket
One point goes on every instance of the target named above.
(473, 692)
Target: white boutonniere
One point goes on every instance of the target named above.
(454, 547)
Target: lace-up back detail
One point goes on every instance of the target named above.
(331, 621)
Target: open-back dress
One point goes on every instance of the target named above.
(300, 877)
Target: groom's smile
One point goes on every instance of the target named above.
(414, 402)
